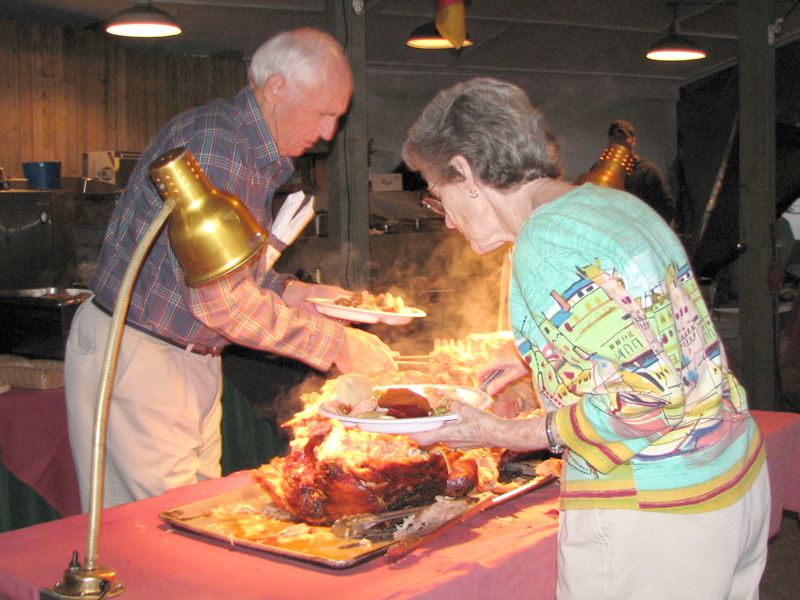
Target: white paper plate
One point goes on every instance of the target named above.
(359, 315)
(470, 396)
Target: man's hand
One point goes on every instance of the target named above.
(297, 293)
(364, 353)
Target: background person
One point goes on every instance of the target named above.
(665, 492)
(164, 416)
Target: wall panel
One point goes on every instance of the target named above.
(66, 92)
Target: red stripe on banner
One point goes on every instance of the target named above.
(442, 4)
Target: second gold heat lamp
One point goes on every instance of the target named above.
(614, 166)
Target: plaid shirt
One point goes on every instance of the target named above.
(231, 142)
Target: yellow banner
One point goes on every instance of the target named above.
(451, 21)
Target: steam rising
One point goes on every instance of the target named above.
(462, 293)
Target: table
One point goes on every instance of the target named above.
(508, 550)
(782, 433)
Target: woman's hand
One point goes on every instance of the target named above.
(477, 428)
(507, 360)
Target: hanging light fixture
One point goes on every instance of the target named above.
(143, 20)
(675, 47)
(427, 37)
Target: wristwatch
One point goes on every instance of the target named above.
(548, 428)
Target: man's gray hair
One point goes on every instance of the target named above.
(493, 125)
(297, 55)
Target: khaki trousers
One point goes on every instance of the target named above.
(164, 413)
(630, 554)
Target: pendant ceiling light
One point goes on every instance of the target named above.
(143, 20)
(675, 47)
(427, 37)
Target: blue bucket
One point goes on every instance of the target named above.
(43, 175)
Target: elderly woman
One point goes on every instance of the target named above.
(665, 491)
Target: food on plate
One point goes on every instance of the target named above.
(352, 388)
(356, 398)
(355, 310)
(366, 301)
(402, 403)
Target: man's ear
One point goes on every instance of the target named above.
(274, 88)
(466, 178)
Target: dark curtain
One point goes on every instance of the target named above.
(20, 504)
(706, 113)
(260, 392)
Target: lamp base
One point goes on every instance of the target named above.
(78, 582)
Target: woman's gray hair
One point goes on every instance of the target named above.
(493, 125)
(297, 55)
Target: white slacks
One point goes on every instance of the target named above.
(630, 554)
(164, 414)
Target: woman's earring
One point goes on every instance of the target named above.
(475, 194)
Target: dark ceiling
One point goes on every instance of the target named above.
(575, 37)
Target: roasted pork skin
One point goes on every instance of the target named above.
(320, 491)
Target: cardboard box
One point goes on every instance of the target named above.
(386, 182)
(110, 166)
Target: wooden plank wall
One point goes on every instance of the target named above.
(65, 92)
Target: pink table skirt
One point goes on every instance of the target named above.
(34, 445)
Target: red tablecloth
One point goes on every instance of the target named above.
(507, 552)
(34, 445)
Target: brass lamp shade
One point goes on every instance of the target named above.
(211, 232)
(611, 170)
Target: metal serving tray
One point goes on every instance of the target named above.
(320, 546)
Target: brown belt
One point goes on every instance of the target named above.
(194, 348)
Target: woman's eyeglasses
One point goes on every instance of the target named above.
(433, 203)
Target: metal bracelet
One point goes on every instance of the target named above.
(548, 428)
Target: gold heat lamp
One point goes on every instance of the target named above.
(212, 233)
(614, 166)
